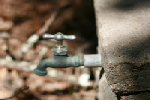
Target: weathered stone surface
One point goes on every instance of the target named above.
(140, 96)
(105, 92)
(124, 41)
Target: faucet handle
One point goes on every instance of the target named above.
(59, 49)
(59, 36)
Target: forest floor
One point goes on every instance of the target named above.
(19, 20)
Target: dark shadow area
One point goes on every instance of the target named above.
(134, 69)
(126, 5)
(101, 73)
(136, 93)
(136, 49)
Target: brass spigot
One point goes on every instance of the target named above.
(60, 58)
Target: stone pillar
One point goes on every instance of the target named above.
(124, 43)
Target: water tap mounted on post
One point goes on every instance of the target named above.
(61, 59)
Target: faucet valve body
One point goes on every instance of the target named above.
(57, 62)
(59, 50)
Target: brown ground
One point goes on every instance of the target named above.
(22, 18)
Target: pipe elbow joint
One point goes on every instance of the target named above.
(41, 68)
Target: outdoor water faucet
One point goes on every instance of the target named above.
(60, 58)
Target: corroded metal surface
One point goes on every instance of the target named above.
(57, 62)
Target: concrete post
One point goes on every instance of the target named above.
(124, 43)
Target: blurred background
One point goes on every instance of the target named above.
(19, 20)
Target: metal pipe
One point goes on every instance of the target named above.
(93, 60)
(65, 61)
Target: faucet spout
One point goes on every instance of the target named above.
(57, 62)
